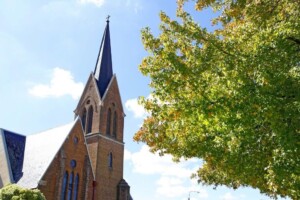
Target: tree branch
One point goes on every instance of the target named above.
(297, 41)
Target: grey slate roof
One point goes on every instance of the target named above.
(40, 150)
(124, 184)
(103, 70)
(14, 147)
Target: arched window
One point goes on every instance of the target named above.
(110, 160)
(108, 122)
(83, 118)
(90, 120)
(115, 124)
(76, 183)
(64, 186)
(70, 186)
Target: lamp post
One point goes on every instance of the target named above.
(191, 192)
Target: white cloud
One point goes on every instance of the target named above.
(169, 187)
(201, 193)
(135, 4)
(174, 178)
(137, 109)
(171, 191)
(62, 83)
(127, 155)
(97, 3)
(164, 180)
(228, 196)
(146, 162)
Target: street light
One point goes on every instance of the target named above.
(191, 192)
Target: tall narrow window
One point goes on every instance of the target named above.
(83, 118)
(108, 122)
(110, 160)
(64, 186)
(76, 183)
(115, 124)
(70, 186)
(90, 120)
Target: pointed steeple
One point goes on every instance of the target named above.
(103, 70)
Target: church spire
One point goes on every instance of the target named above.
(103, 69)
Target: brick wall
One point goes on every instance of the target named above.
(100, 144)
(51, 183)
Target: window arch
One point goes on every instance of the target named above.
(64, 186)
(76, 183)
(110, 160)
(108, 121)
(90, 119)
(115, 124)
(70, 186)
(83, 118)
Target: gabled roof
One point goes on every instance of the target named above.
(40, 150)
(113, 81)
(124, 184)
(14, 147)
(91, 80)
(103, 70)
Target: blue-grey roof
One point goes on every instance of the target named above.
(15, 146)
(103, 70)
(40, 150)
(123, 183)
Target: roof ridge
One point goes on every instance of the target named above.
(12, 132)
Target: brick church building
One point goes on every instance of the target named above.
(80, 160)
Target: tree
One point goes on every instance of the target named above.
(231, 96)
(14, 192)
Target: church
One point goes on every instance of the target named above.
(80, 160)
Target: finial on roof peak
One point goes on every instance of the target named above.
(107, 18)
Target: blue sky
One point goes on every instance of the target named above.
(47, 51)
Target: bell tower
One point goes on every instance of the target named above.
(101, 112)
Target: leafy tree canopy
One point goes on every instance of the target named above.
(230, 97)
(14, 192)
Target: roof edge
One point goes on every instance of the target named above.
(75, 121)
(91, 78)
(6, 156)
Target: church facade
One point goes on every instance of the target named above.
(80, 160)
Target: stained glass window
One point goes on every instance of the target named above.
(83, 118)
(90, 119)
(64, 186)
(110, 160)
(108, 121)
(70, 186)
(76, 183)
(115, 124)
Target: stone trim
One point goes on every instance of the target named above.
(62, 169)
(91, 135)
